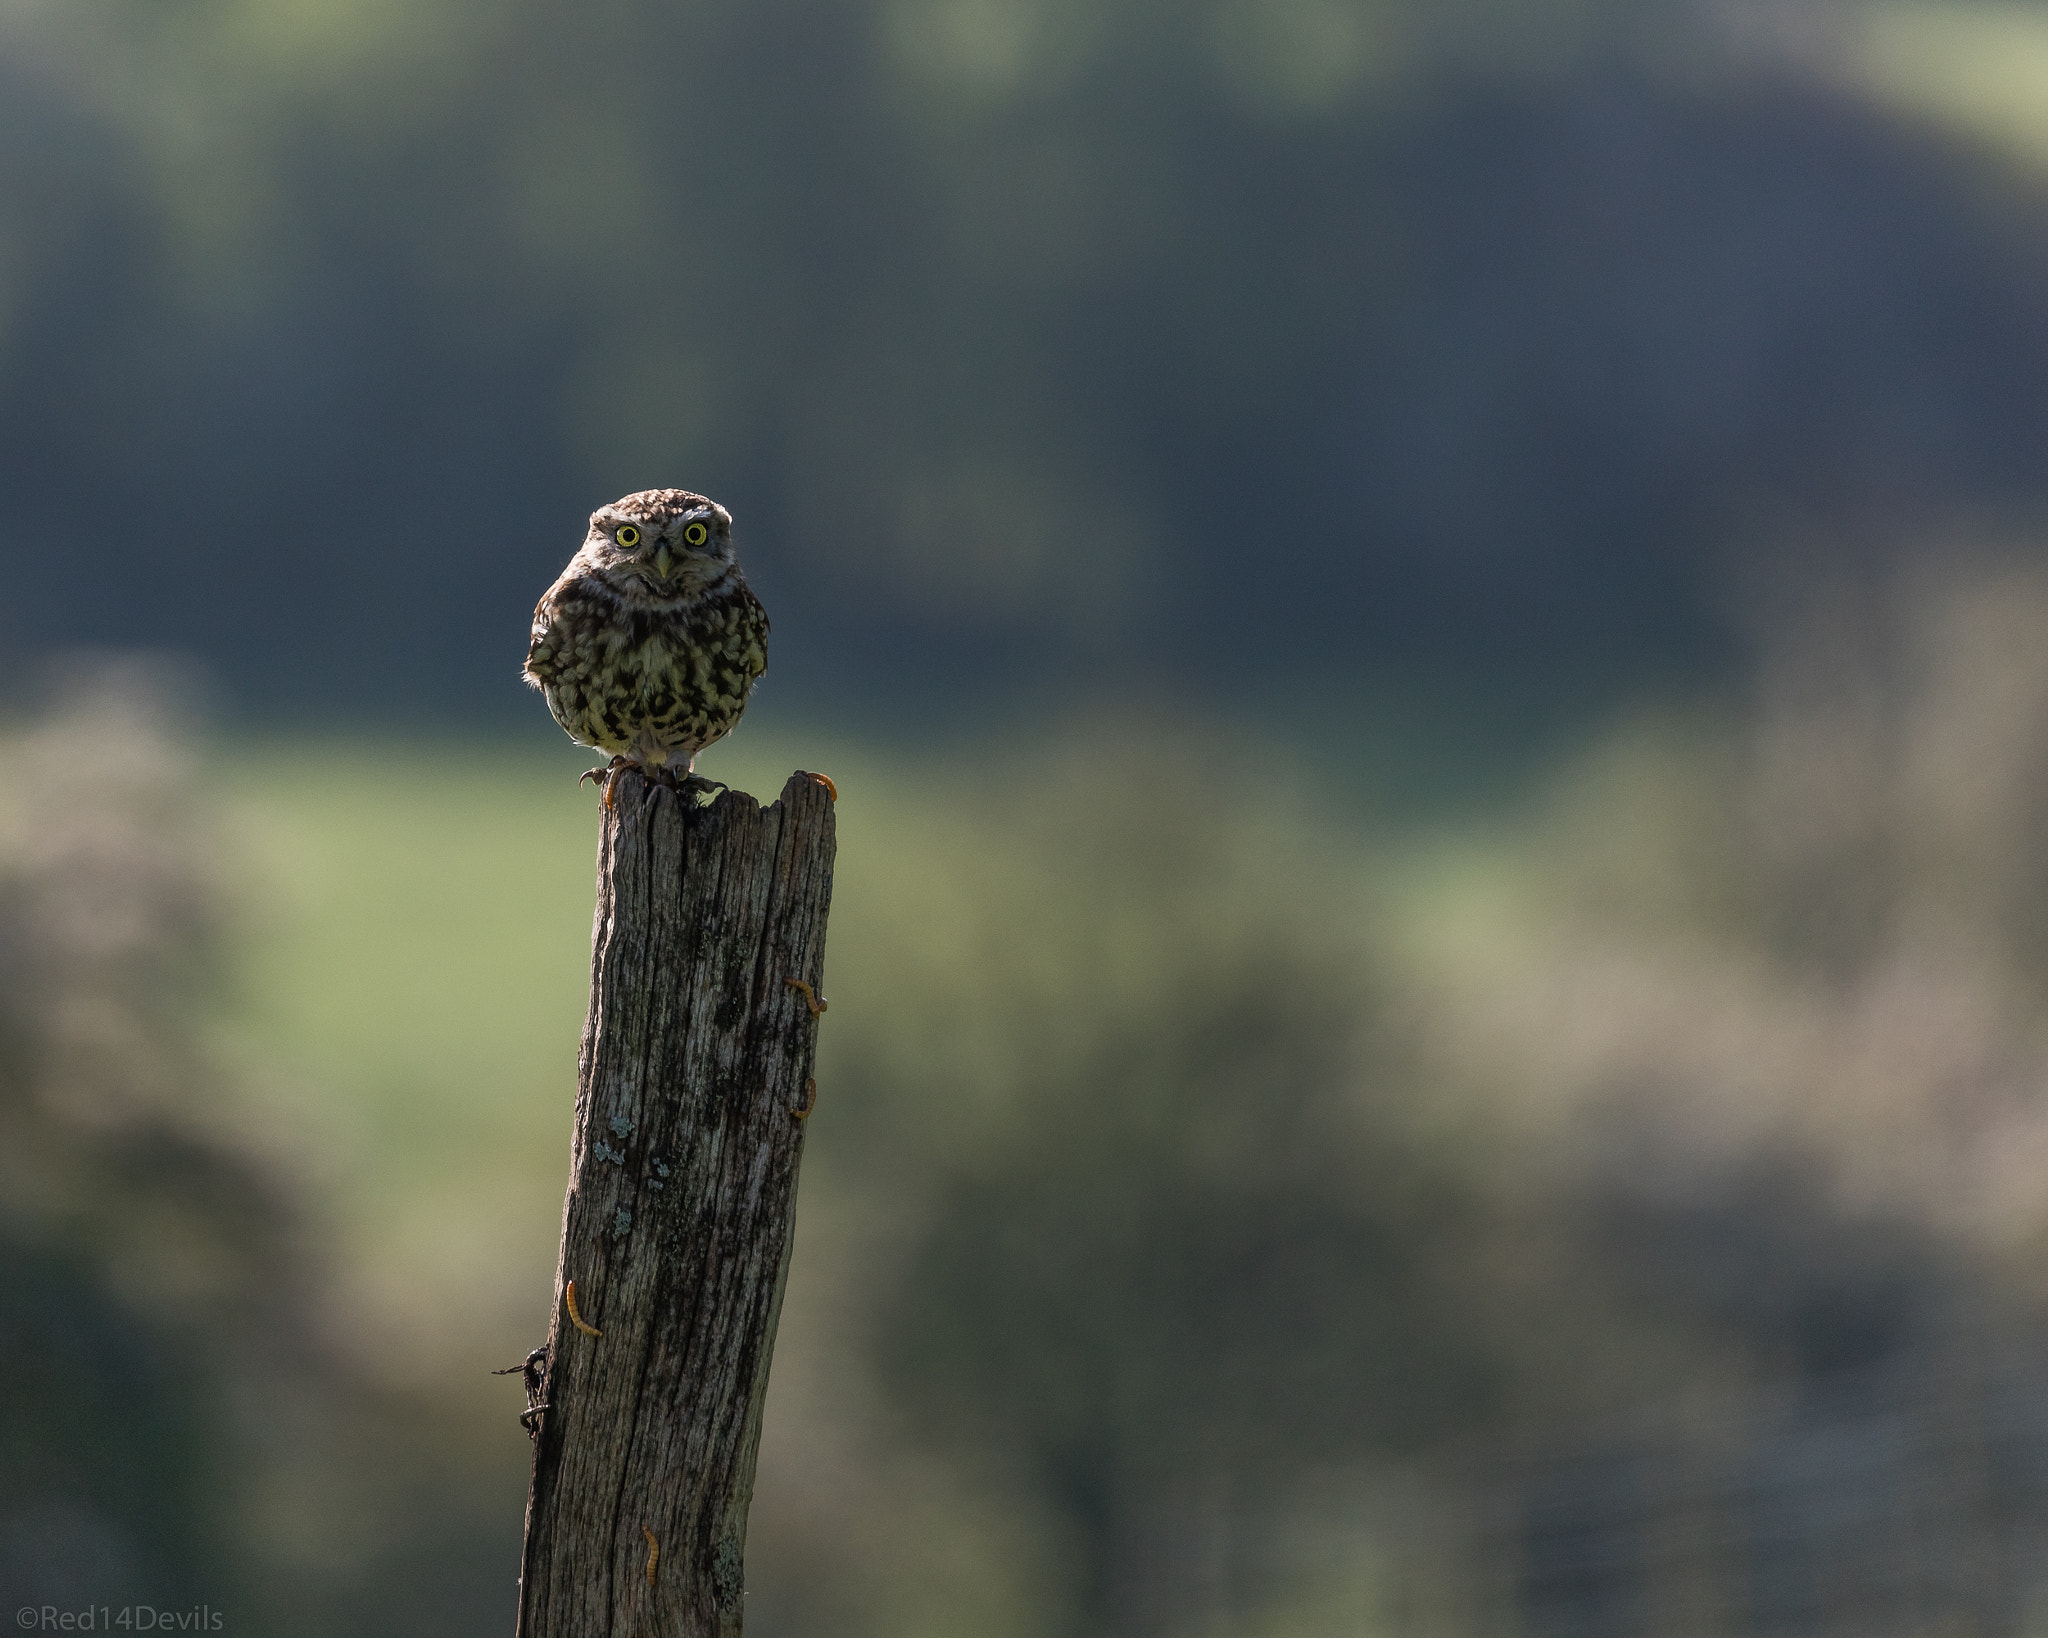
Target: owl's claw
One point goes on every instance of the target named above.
(686, 785)
(605, 776)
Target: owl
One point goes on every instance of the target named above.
(651, 640)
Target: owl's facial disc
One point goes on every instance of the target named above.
(664, 554)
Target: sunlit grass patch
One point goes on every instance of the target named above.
(406, 992)
(409, 971)
(407, 988)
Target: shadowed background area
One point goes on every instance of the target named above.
(1433, 625)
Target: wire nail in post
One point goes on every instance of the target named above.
(682, 1184)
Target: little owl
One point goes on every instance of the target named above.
(651, 640)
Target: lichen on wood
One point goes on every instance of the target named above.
(678, 1224)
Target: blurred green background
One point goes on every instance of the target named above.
(1432, 621)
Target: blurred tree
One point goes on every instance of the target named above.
(142, 1249)
(1417, 350)
(180, 1427)
(1199, 1252)
(1764, 1018)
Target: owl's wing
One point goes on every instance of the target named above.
(755, 614)
(544, 650)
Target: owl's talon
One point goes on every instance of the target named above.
(688, 787)
(607, 776)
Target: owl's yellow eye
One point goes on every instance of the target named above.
(627, 535)
(696, 534)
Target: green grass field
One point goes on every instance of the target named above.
(408, 968)
(407, 977)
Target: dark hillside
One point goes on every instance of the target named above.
(1025, 374)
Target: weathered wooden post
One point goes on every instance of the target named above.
(694, 1077)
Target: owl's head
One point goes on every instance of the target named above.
(669, 542)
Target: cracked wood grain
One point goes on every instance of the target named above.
(678, 1223)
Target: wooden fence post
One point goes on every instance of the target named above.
(693, 1077)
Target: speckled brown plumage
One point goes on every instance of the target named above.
(650, 642)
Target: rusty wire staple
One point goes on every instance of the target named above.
(533, 1378)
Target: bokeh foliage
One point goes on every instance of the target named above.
(1227, 1209)
(1214, 1206)
(1255, 352)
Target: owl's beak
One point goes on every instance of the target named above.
(662, 560)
